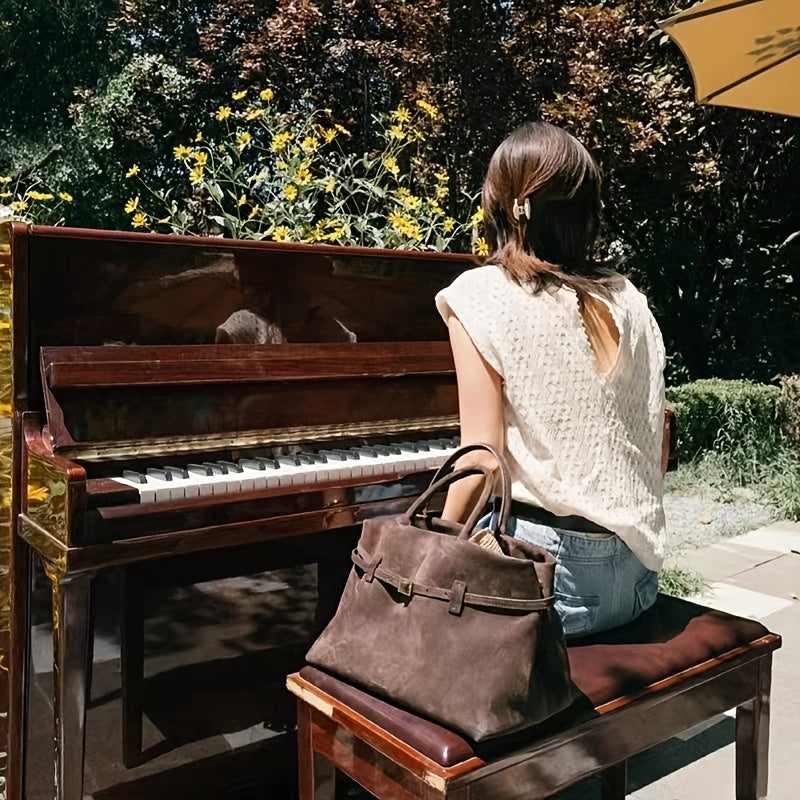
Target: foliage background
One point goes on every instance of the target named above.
(701, 202)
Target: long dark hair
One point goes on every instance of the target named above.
(549, 178)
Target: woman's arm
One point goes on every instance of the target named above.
(480, 403)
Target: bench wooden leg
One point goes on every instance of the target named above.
(752, 738)
(317, 776)
(614, 781)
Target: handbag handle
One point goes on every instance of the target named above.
(442, 482)
(505, 480)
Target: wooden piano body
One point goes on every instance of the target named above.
(124, 351)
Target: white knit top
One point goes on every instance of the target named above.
(577, 442)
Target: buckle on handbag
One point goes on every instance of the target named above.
(405, 586)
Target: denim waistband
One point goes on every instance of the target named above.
(542, 516)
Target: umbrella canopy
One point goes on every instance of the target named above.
(743, 53)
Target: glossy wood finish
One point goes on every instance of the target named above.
(131, 348)
(389, 768)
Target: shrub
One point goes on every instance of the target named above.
(739, 422)
(31, 201)
(790, 389)
(259, 174)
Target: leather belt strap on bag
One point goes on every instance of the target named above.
(544, 517)
(457, 596)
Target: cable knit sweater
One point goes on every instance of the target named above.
(578, 442)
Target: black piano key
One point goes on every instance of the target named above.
(216, 468)
(387, 450)
(177, 472)
(231, 466)
(370, 451)
(134, 476)
(200, 469)
(333, 455)
(311, 458)
(408, 447)
(289, 461)
(269, 463)
(158, 472)
(253, 463)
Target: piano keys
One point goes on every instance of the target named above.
(177, 396)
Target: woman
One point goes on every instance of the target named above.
(560, 366)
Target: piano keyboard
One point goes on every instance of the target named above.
(252, 473)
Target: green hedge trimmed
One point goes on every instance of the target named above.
(743, 420)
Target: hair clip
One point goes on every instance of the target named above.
(522, 210)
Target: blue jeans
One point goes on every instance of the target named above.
(599, 582)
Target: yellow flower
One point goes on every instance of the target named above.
(411, 202)
(242, 200)
(290, 192)
(199, 137)
(254, 113)
(223, 112)
(330, 184)
(329, 134)
(477, 217)
(310, 143)
(41, 196)
(196, 175)
(242, 140)
(281, 234)
(397, 132)
(402, 224)
(132, 205)
(448, 225)
(435, 208)
(18, 205)
(65, 196)
(134, 170)
(4, 179)
(279, 141)
(182, 152)
(253, 211)
(401, 114)
(342, 129)
(441, 192)
(239, 95)
(390, 162)
(303, 175)
(266, 95)
(481, 247)
(4, 195)
(200, 157)
(441, 176)
(429, 109)
(281, 164)
(139, 220)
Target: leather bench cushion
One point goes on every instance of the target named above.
(669, 638)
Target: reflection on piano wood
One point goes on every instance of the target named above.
(176, 396)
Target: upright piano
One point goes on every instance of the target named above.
(167, 398)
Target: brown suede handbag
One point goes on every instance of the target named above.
(454, 630)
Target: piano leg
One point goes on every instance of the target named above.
(71, 653)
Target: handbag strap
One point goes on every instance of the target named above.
(441, 482)
(457, 596)
(501, 518)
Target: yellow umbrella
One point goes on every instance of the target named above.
(743, 53)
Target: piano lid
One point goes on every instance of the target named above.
(109, 401)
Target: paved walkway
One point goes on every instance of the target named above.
(754, 575)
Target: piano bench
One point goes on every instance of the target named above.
(676, 666)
